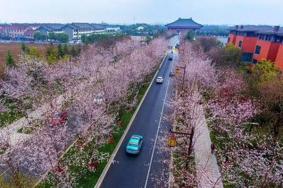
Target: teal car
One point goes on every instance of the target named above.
(134, 145)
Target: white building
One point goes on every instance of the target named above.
(76, 30)
(113, 29)
(140, 28)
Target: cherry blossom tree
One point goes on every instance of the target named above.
(90, 86)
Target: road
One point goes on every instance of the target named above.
(148, 169)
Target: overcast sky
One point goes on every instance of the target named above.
(148, 11)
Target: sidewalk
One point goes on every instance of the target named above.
(38, 114)
(208, 174)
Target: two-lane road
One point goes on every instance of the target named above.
(138, 171)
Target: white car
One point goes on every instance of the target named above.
(159, 80)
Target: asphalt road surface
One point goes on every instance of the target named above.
(145, 169)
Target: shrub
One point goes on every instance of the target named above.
(39, 36)
(2, 70)
(61, 52)
(190, 36)
(265, 71)
(10, 62)
(75, 51)
(228, 56)
(25, 48)
(59, 37)
(34, 52)
(105, 40)
(52, 54)
(207, 44)
(232, 54)
(271, 96)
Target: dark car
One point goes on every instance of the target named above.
(172, 74)
(170, 58)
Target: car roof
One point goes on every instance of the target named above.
(136, 136)
(134, 140)
(159, 77)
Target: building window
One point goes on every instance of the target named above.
(240, 44)
(257, 49)
(251, 34)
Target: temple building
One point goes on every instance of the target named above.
(183, 26)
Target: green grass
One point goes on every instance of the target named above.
(229, 185)
(142, 91)
(182, 162)
(22, 181)
(9, 117)
(220, 140)
(13, 113)
(26, 130)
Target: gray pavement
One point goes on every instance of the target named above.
(137, 171)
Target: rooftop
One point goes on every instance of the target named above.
(261, 29)
(52, 26)
(182, 23)
(85, 26)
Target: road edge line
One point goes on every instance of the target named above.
(106, 168)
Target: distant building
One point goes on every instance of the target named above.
(76, 30)
(183, 26)
(98, 28)
(50, 28)
(73, 30)
(17, 31)
(112, 29)
(1, 29)
(258, 43)
(138, 38)
(29, 33)
(140, 28)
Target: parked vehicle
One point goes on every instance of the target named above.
(134, 145)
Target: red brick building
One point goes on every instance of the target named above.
(258, 43)
(279, 57)
(17, 30)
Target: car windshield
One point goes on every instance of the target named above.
(133, 142)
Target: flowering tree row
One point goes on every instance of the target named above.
(246, 157)
(97, 82)
(34, 79)
(246, 154)
(196, 76)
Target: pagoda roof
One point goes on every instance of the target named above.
(182, 23)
